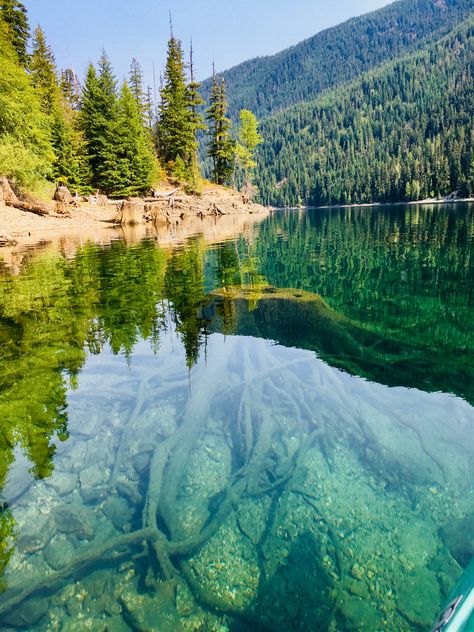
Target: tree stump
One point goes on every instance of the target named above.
(131, 212)
(62, 195)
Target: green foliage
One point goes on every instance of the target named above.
(221, 147)
(98, 122)
(13, 14)
(184, 288)
(404, 131)
(248, 139)
(58, 101)
(131, 168)
(135, 82)
(408, 277)
(174, 130)
(337, 55)
(43, 72)
(71, 164)
(26, 154)
(69, 85)
(7, 536)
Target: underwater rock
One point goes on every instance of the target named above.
(29, 615)
(75, 520)
(358, 614)
(418, 597)
(118, 512)
(92, 484)
(32, 542)
(59, 552)
(447, 571)
(155, 613)
(63, 483)
(185, 604)
(141, 462)
(129, 492)
(251, 519)
(458, 536)
(299, 596)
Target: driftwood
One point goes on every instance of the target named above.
(7, 195)
(39, 208)
(161, 194)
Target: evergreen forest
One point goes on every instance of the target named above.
(400, 132)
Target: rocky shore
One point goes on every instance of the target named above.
(96, 214)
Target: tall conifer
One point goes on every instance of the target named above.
(43, 72)
(99, 112)
(221, 147)
(195, 103)
(135, 82)
(13, 13)
(70, 164)
(130, 170)
(174, 131)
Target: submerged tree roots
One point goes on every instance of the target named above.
(271, 404)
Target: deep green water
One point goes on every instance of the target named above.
(271, 433)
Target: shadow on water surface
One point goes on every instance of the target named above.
(159, 474)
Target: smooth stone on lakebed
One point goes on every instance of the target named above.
(75, 520)
(35, 537)
(59, 553)
(30, 614)
(63, 483)
(118, 512)
(141, 461)
(419, 597)
(92, 484)
(458, 537)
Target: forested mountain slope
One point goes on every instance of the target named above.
(338, 54)
(403, 131)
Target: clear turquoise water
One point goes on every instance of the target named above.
(274, 432)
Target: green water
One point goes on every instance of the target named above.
(271, 433)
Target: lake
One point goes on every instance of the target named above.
(270, 432)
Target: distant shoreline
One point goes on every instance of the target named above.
(381, 204)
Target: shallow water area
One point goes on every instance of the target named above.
(273, 432)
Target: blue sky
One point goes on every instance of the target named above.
(228, 32)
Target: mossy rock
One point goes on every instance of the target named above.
(418, 599)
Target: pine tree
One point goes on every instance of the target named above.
(131, 169)
(195, 100)
(174, 130)
(98, 120)
(195, 103)
(221, 147)
(150, 114)
(69, 85)
(43, 72)
(13, 13)
(135, 82)
(70, 164)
